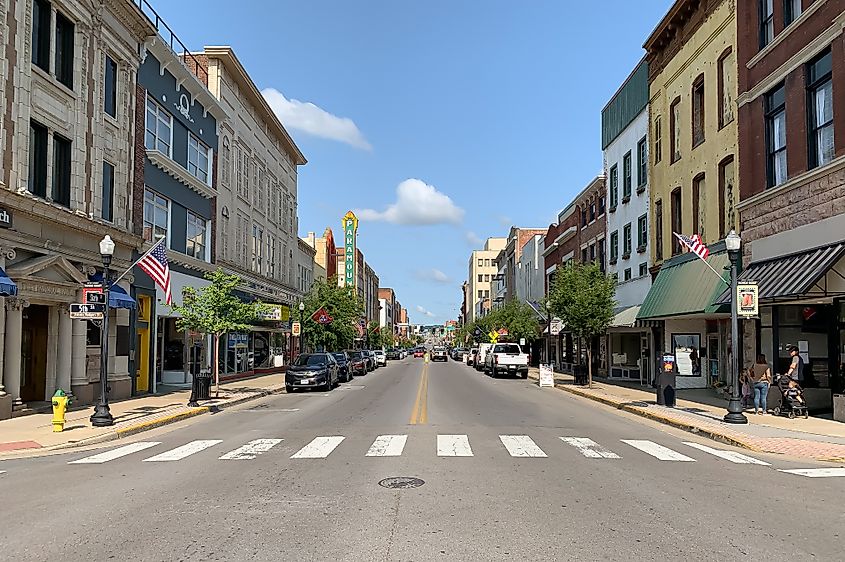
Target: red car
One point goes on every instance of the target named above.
(419, 352)
(357, 363)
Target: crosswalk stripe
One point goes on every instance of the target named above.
(319, 448)
(732, 456)
(116, 453)
(184, 451)
(816, 472)
(521, 446)
(657, 451)
(590, 448)
(453, 446)
(387, 446)
(250, 450)
(2, 472)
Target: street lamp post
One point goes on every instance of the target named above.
(301, 324)
(734, 415)
(102, 416)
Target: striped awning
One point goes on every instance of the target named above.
(793, 275)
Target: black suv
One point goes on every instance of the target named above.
(312, 370)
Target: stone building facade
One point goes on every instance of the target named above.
(481, 272)
(67, 129)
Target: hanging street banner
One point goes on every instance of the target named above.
(350, 233)
(296, 329)
(746, 300)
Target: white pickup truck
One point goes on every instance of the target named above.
(506, 358)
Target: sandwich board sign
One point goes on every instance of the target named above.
(547, 377)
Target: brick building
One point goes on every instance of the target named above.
(792, 183)
(507, 263)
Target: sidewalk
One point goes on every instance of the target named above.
(813, 438)
(131, 416)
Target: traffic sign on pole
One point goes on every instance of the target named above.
(87, 311)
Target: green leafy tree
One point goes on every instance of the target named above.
(345, 308)
(582, 297)
(518, 318)
(215, 310)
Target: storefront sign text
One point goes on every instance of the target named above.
(746, 300)
(350, 229)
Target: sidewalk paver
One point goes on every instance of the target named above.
(35, 431)
(812, 438)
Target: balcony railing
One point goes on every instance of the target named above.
(190, 61)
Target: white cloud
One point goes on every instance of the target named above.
(306, 117)
(432, 275)
(417, 203)
(472, 238)
(425, 312)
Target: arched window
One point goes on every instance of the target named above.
(226, 167)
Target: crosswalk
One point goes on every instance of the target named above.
(449, 445)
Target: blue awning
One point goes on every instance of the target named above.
(118, 298)
(7, 286)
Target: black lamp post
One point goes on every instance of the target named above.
(102, 416)
(734, 415)
(301, 324)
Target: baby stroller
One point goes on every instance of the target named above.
(792, 402)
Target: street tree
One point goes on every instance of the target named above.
(345, 309)
(215, 310)
(518, 318)
(581, 295)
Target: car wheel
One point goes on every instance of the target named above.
(328, 386)
(288, 388)
(524, 374)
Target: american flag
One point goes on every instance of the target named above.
(154, 263)
(695, 245)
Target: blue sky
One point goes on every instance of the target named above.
(493, 115)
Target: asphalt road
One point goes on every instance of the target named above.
(504, 502)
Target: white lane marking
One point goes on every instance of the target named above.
(319, 448)
(184, 451)
(590, 448)
(453, 446)
(262, 410)
(116, 453)
(732, 456)
(521, 446)
(816, 472)
(657, 451)
(387, 446)
(2, 472)
(250, 450)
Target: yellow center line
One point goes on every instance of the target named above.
(419, 414)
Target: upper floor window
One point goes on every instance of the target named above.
(642, 162)
(642, 232)
(626, 177)
(592, 212)
(791, 11)
(601, 205)
(61, 170)
(698, 111)
(257, 248)
(41, 17)
(820, 105)
(487, 262)
(676, 220)
(643, 269)
(675, 130)
(110, 87)
(480, 263)
(107, 211)
(195, 236)
(658, 140)
(726, 84)
(614, 186)
(37, 159)
(775, 103)
(614, 246)
(226, 159)
(627, 275)
(767, 22)
(65, 38)
(198, 159)
(159, 128)
(156, 215)
(584, 255)
(584, 217)
(626, 241)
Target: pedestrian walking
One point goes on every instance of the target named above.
(761, 378)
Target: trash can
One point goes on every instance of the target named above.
(202, 385)
(580, 373)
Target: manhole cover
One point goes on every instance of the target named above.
(401, 482)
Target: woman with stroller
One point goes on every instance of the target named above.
(761, 378)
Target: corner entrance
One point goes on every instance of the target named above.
(34, 353)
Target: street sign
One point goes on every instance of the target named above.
(87, 311)
(547, 377)
(746, 300)
(522, 341)
(557, 326)
(92, 293)
(493, 335)
(296, 329)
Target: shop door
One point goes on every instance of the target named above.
(142, 380)
(34, 353)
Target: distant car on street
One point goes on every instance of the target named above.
(419, 352)
(357, 361)
(393, 354)
(480, 360)
(381, 358)
(312, 370)
(344, 366)
(472, 356)
(439, 354)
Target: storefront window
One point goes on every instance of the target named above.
(808, 328)
(260, 346)
(687, 351)
(236, 353)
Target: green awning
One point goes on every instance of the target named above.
(685, 285)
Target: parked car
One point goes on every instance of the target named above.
(344, 366)
(370, 359)
(381, 357)
(480, 360)
(419, 352)
(393, 354)
(357, 361)
(507, 358)
(472, 356)
(439, 354)
(312, 370)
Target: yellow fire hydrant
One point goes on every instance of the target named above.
(61, 401)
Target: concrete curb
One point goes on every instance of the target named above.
(625, 407)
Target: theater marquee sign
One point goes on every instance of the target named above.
(350, 233)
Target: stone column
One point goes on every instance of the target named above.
(64, 357)
(2, 343)
(79, 356)
(12, 358)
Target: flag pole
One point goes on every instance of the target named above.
(722, 279)
(145, 254)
